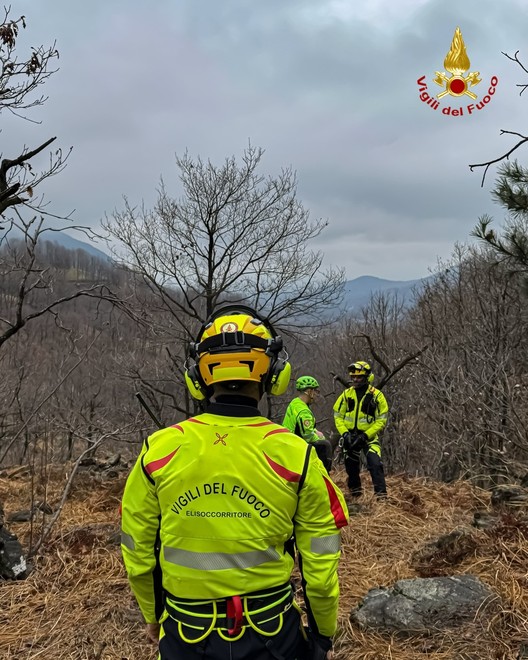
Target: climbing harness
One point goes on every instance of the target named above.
(262, 611)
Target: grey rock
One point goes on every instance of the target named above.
(12, 561)
(423, 604)
(484, 520)
(25, 515)
(509, 495)
(20, 516)
(523, 651)
(44, 507)
(115, 538)
(114, 460)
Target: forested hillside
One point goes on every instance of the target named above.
(452, 366)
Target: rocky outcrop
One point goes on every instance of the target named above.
(423, 605)
(13, 564)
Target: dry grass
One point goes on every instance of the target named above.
(76, 603)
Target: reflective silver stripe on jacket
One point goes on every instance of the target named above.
(326, 545)
(127, 541)
(346, 418)
(218, 561)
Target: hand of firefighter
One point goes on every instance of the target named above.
(319, 647)
(354, 441)
(362, 440)
(153, 632)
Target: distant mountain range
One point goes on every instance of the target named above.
(357, 291)
(63, 239)
(67, 241)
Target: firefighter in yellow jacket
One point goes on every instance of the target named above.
(210, 507)
(360, 414)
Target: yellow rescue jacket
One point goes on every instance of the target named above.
(368, 413)
(225, 494)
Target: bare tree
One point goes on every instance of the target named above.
(235, 234)
(31, 288)
(473, 422)
(523, 139)
(20, 80)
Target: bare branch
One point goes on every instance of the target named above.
(374, 353)
(89, 450)
(488, 164)
(47, 398)
(516, 59)
(400, 366)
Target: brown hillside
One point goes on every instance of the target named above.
(76, 603)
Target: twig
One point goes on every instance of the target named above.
(375, 354)
(45, 533)
(400, 366)
(35, 411)
(516, 59)
(497, 160)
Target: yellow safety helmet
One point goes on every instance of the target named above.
(361, 368)
(235, 344)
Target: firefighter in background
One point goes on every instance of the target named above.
(360, 414)
(211, 504)
(299, 418)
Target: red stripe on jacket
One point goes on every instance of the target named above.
(276, 431)
(282, 471)
(159, 463)
(335, 505)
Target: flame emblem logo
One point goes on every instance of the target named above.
(457, 63)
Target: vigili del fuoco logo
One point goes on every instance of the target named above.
(459, 85)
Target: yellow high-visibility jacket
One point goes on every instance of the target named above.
(369, 414)
(225, 494)
(299, 419)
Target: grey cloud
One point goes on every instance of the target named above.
(334, 97)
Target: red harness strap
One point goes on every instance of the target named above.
(234, 613)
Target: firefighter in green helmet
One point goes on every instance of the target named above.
(299, 418)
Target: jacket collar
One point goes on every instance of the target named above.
(233, 406)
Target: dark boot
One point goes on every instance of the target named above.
(375, 467)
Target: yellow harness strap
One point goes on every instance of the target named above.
(188, 615)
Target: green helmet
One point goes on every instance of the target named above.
(306, 383)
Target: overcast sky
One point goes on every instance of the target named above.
(328, 87)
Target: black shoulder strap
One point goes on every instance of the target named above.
(305, 467)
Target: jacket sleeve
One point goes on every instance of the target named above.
(139, 532)
(321, 513)
(382, 415)
(339, 414)
(306, 425)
